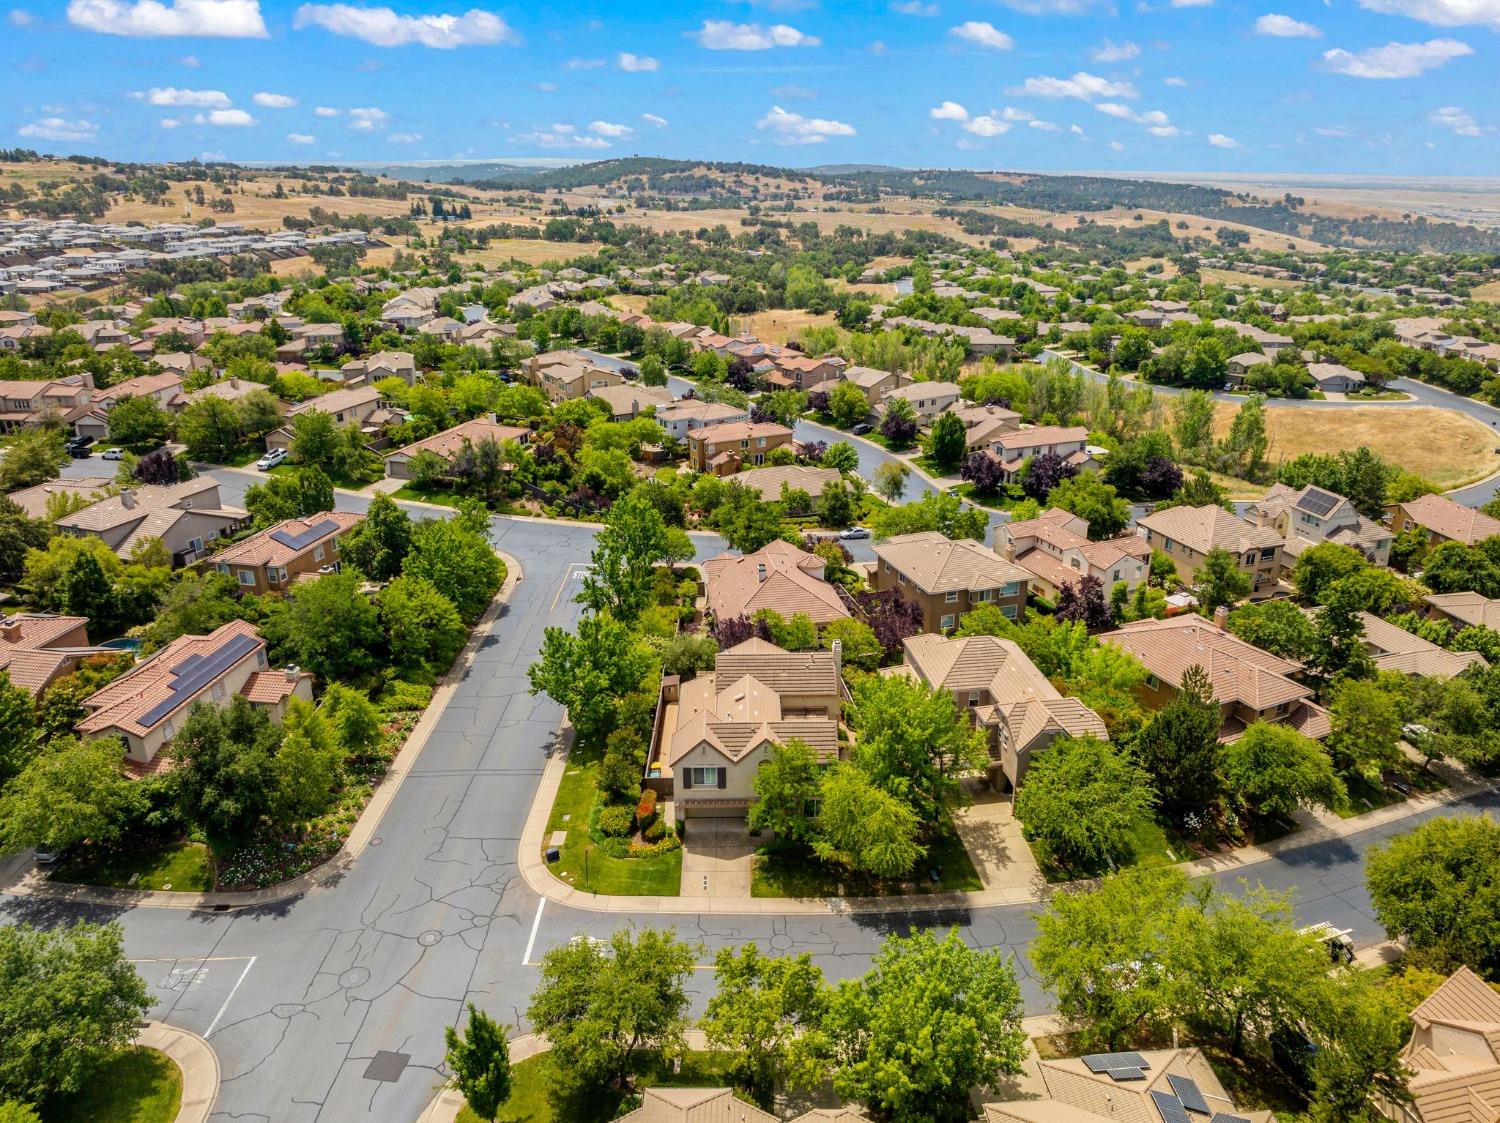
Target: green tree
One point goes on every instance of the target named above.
(761, 1004)
(931, 1020)
(945, 514)
(847, 405)
(422, 626)
(1367, 726)
(864, 827)
(354, 719)
(858, 644)
(1083, 798)
(1362, 1030)
(69, 1000)
(632, 542)
(599, 1006)
(289, 495)
(1090, 498)
(1320, 566)
(332, 627)
(1179, 746)
(841, 455)
(890, 480)
(309, 765)
(1193, 424)
(31, 458)
(86, 591)
(225, 780)
(18, 729)
(210, 428)
(457, 560)
(785, 785)
(73, 792)
(480, 1063)
(1274, 770)
(1277, 626)
(377, 545)
(948, 441)
(1220, 581)
(590, 672)
(836, 505)
(1437, 888)
(314, 437)
(139, 422)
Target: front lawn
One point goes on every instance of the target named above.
(1152, 842)
(138, 1086)
(785, 871)
(535, 1098)
(182, 867)
(583, 864)
(1366, 794)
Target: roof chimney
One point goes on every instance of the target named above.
(127, 499)
(760, 571)
(838, 655)
(10, 629)
(293, 672)
(1221, 615)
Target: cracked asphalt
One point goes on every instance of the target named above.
(298, 998)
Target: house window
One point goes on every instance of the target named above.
(946, 623)
(217, 692)
(703, 777)
(1008, 611)
(247, 577)
(1250, 558)
(223, 567)
(1153, 683)
(901, 578)
(318, 553)
(281, 575)
(195, 544)
(167, 730)
(1011, 590)
(951, 597)
(1267, 553)
(973, 697)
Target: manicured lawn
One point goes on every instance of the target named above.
(583, 865)
(183, 867)
(426, 493)
(788, 872)
(1152, 843)
(138, 1086)
(1368, 795)
(534, 1096)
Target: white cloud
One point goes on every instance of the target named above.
(172, 96)
(225, 119)
(1334, 131)
(170, 122)
(59, 128)
(211, 157)
(190, 61)
(636, 64)
(19, 17)
(1219, 140)
(949, 111)
(382, 27)
(144, 19)
(1395, 60)
(983, 34)
(562, 136)
(793, 128)
(367, 120)
(1174, 81)
(1081, 85)
(325, 111)
(1285, 27)
(725, 35)
(1109, 51)
(610, 129)
(1192, 3)
(1441, 13)
(302, 138)
(1114, 109)
(1050, 7)
(403, 138)
(274, 101)
(1116, 146)
(586, 63)
(987, 125)
(1076, 130)
(1456, 119)
(1156, 122)
(914, 8)
(1011, 113)
(653, 119)
(1045, 126)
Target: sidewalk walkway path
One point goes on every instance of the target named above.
(198, 1062)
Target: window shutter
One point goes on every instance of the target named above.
(723, 777)
(687, 777)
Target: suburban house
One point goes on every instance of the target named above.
(186, 517)
(1249, 684)
(1242, 364)
(713, 732)
(449, 442)
(33, 500)
(1019, 710)
(1268, 341)
(25, 403)
(270, 560)
(948, 578)
(1462, 610)
(1013, 447)
(629, 400)
(984, 423)
(565, 375)
(1150, 1086)
(687, 414)
(1335, 378)
(722, 1105)
(38, 648)
(723, 448)
(796, 371)
(1055, 550)
(229, 390)
(382, 364)
(927, 399)
(1187, 534)
(779, 577)
(1443, 520)
(874, 382)
(1395, 649)
(798, 477)
(1308, 516)
(146, 706)
(353, 405)
(1453, 1056)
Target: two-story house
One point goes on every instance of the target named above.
(948, 578)
(1443, 520)
(186, 517)
(447, 444)
(778, 577)
(722, 449)
(270, 560)
(565, 375)
(1308, 516)
(1187, 534)
(1014, 447)
(356, 405)
(1055, 550)
(686, 414)
(927, 399)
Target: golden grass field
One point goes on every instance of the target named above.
(1447, 447)
(779, 325)
(1489, 292)
(1231, 277)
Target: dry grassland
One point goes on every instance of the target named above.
(779, 325)
(1231, 277)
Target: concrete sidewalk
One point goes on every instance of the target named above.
(196, 1059)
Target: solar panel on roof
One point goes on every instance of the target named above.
(1319, 502)
(1121, 1075)
(1188, 1092)
(307, 537)
(194, 673)
(1169, 1108)
(1221, 1117)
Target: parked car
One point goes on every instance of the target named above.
(47, 854)
(114, 454)
(271, 459)
(862, 428)
(78, 447)
(852, 532)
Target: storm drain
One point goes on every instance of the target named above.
(387, 1066)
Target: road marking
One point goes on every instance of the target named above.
(213, 1025)
(535, 924)
(574, 570)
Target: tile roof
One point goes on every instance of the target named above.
(695, 1105)
(1454, 1053)
(768, 481)
(802, 672)
(273, 545)
(1209, 527)
(779, 577)
(632, 397)
(738, 431)
(33, 500)
(448, 443)
(336, 401)
(936, 564)
(1467, 608)
(1448, 519)
(31, 651)
(1238, 671)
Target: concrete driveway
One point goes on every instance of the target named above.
(717, 857)
(993, 839)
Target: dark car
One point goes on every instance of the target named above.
(862, 428)
(78, 447)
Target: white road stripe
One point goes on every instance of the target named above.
(213, 1025)
(535, 924)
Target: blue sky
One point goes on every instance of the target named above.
(1349, 86)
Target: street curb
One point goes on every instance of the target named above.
(34, 884)
(196, 1060)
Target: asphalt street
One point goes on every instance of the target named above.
(299, 998)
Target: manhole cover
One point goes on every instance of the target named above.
(387, 1066)
(376, 841)
(354, 977)
(781, 943)
(427, 939)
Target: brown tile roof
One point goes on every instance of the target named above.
(936, 564)
(779, 577)
(267, 688)
(33, 500)
(802, 672)
(1209, 527)
(1452, 520)
(336, 401)
(693, 409)
(289, 539)
(1239, 672)
(632, 397)
(1454, 1053)
(738, 431)
(31, 651)
(1396, 649)
(448, 443)
(1018, 440)
(768, 481)
(695, 1105)
(1467, 608)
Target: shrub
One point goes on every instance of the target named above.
(645, 810)
(401, 695)
(654, 831)
(616, 820)
(624, 762)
